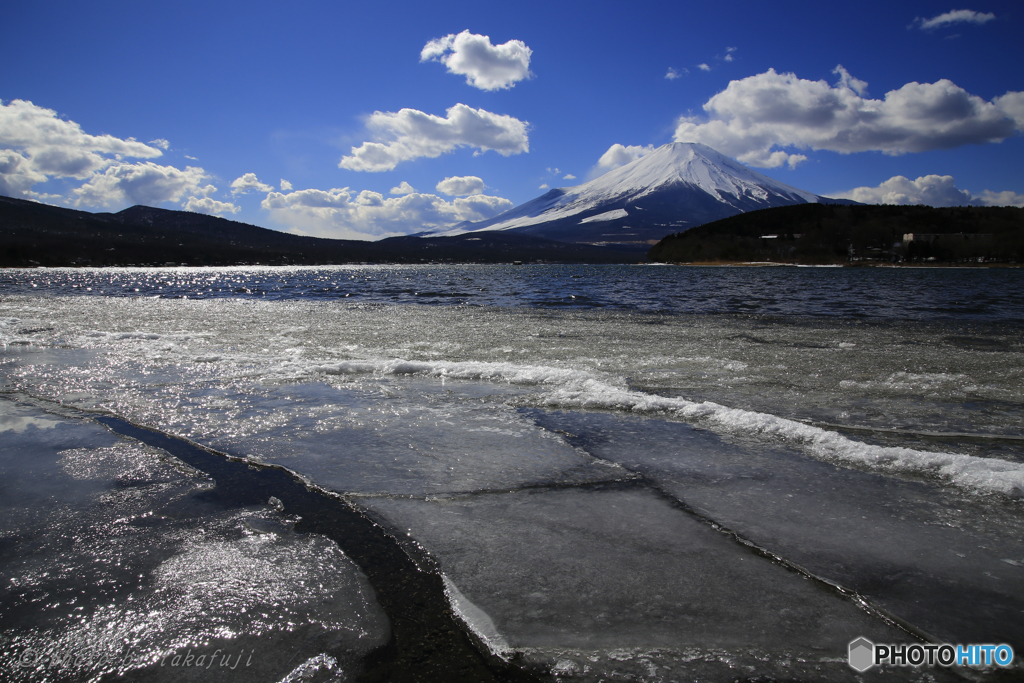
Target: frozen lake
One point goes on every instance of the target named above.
(603, 473)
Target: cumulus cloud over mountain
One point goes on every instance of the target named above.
(340, 213)
(756, 118)
(411, 134)
(36, 145)
(143, 183)
(210, 206)
(930, 190)
(485, 66)
(460, 186)
(620, 155)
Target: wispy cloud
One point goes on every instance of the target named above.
(485, 66)
(703, 67)
(959, 16)
(412, 134)
(756, 118)
(673, 74)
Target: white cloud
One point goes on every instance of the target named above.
(369, 215)
(704, 67)
(620, 155)
(543, 186)
(51, 199)
(933, 190)
(1012, 105)
(673, 74)
(285, 186)
(36, 145)
(142, 183)
(1005, 198)
(17, 175)
(247, 183)
(209, 206)
(568, 176)
(755, 116)
(930, 190)
(485, 66)
(959, 16)
(403, 188)
(461, 186)
(411, 134)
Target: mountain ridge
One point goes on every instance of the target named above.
(859, 234)
(36, 234)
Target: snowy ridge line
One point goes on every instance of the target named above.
(980, 436)
(571, 388)
(985, 475)
(511, 373)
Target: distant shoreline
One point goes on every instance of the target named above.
(774, 264)
(697, 264)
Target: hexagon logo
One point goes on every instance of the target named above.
(862, 654)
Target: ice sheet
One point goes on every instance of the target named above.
(817, 423)
(619, 569)
(410, 438)
(951, 565)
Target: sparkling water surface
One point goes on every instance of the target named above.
(982, 294)
(612, 466)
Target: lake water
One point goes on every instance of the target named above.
(614, 472)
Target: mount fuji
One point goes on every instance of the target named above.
(677, 186)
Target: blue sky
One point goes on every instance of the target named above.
(370, 119)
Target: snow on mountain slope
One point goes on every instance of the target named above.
(678, 185)
(694, 164)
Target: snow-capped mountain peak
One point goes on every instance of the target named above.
(674, 187)
(689, 163)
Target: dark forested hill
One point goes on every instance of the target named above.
(38, 234)
(829, 233)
